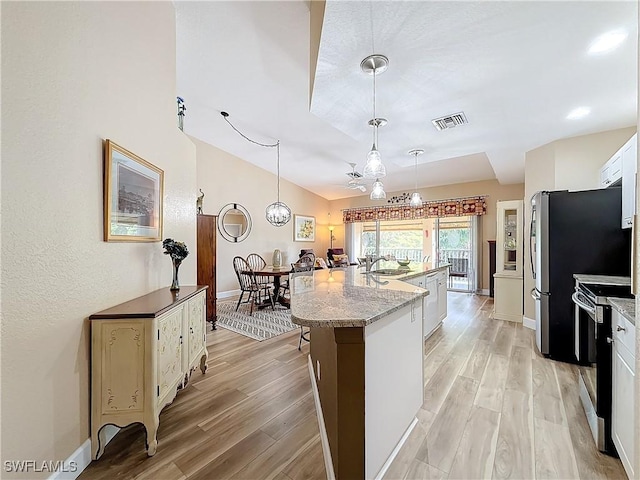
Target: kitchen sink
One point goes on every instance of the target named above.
(389, 271)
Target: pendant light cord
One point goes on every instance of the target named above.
(278, 150)
(269, 145)
(225, 115)
(373, 50)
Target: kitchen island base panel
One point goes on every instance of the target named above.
(375, 369)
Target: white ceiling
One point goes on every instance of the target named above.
(515, 68)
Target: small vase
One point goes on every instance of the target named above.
(175, 285)
(277, 258)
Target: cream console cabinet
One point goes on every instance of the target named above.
(142, 352)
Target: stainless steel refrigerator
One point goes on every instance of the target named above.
(572, 232)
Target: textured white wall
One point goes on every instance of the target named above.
(224, 179)
(73, 74)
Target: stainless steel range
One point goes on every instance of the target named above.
(593, 349)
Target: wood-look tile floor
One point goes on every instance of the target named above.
(493, 409)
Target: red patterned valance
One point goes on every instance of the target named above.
(456, 207)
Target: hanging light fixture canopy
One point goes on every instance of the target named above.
(277, 213)
(416, 198)
(374, 168)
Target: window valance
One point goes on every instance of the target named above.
(455, 207)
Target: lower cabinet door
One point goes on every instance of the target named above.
(430, 312)
(442, 296)
(169, 352)
(623, 408)
(197, 325)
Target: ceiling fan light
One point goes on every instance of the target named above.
(416, 199)
(378, 193)
(278, 214)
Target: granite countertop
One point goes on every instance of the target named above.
(601, 279)
(626, 306)
(346, 297)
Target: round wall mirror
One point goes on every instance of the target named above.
(234, 222)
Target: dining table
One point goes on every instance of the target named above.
(277, 273)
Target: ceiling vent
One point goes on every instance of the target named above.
(355, 175)
(449, 121)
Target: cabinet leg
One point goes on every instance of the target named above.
(203, 363)
(213, 323)
(152, 441)
(98, 442)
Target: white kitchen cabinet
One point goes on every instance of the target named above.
(509, 238)
(623, 407)
(611, 172)
(431, 318)
(434, 308)
(442, 295)
(508, 283)
(629, 153)
(142, 352)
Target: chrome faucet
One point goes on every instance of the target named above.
(370, 262)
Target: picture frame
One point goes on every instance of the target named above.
(133, 197)
(304, 228)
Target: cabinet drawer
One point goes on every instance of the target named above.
(624, 332)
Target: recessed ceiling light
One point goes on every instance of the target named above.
(579, 112)
(607, 42)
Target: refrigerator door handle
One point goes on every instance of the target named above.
(532, 242)
(536, 294)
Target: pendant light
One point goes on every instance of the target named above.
(277, 213)
(377, 191)
(416, 198)
(374, 168)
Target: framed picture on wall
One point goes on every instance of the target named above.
(133, 190)
(304, 228)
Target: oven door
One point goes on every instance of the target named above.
(593, 327)
(586, 333)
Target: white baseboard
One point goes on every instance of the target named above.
(227, 294)
(507, 317)
(395, 451)
(81, 458)
(324, 439)
(483, 291)
(528, 322)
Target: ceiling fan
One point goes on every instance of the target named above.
(355, 180)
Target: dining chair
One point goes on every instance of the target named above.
(306, 263)
(256, 262)
(248, 284)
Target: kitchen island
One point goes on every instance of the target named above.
(366, 363)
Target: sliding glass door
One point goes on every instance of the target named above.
(456, 245)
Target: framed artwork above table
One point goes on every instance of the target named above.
(304, 228)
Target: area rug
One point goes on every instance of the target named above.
(263, 324)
